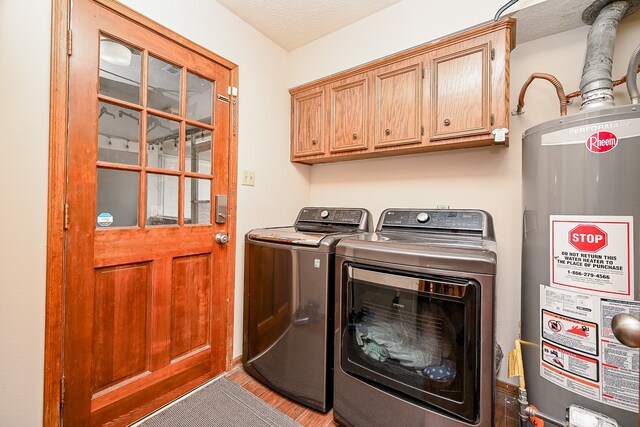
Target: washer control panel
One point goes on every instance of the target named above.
(331, 215)
(462, 220)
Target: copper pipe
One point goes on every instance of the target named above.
(554, 81)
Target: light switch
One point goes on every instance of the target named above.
(248, 178)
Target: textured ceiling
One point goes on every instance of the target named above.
(549, 17)
(293, 23)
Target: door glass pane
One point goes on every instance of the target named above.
(117, 198)
(198, 158)
(119, 70)
(118, 134)
(162, 199)
(199, 98)
(164, 86)
(197, 201)
(163, 146)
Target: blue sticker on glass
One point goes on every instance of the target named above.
(105, 219)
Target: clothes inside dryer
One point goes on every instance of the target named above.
(406, 338)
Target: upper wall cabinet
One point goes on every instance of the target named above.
(307, 135)
(349, 117)
(469, 91)
(398, 94)
(460, 91)
(447, 94)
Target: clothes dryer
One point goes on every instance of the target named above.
(414, 337)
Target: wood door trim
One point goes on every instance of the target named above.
(163, 31)
(56, 212)
(232, 212)
(58, 135)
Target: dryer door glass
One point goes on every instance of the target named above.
(415, 336)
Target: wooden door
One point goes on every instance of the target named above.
(398, 97)
(307, 121)
(460, 98)
(349, 114)
(145, 298)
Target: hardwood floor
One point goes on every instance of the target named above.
(506, 403)
(303, 415)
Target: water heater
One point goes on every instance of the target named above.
(581, 189)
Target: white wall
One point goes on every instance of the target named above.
(484, 178)
(24, 117)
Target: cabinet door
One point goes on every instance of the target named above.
(349, 115)
(308, 123)
(397, 103)
(460, 100)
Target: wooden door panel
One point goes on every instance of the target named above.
(128, 402)
(349, 102)
(308, 123)
(146, 305)
(121, 324)
(460, 95)
(398, 99)
(190, 308)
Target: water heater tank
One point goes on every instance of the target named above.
(581, 189)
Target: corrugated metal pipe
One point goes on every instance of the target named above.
(554, 81)
(632, 80)
(596, 84)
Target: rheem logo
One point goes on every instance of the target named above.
(601, 142)
(588, 238)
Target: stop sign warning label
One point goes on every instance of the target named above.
(593, 254)
(588, 238)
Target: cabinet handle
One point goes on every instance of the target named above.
(387, 131)
(447, 122)
(355, 136)
(314, 141)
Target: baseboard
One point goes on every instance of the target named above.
(236, 363)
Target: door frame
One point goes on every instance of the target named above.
(56, 213)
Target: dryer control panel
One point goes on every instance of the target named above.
(434, 220)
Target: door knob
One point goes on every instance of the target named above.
(222, 238)
(626, 329)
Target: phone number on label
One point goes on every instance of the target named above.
(587, 274)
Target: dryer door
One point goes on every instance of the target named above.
(415, 336)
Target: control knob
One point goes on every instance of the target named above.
(324, 214)
(422, 217)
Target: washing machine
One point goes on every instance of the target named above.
(414, 336)
(289, 300)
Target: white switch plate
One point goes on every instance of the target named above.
(248, 178)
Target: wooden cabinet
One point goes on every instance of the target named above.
(398, 95)
(349, 118)
(469, 91)
(443, 95)
(460, 92)
(308, 114)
